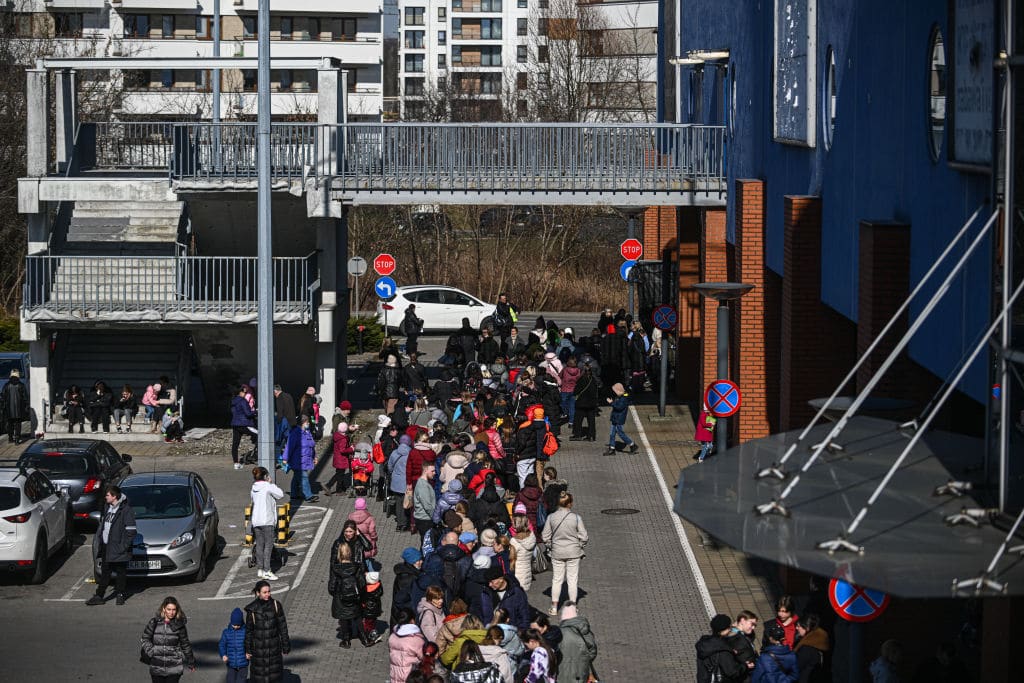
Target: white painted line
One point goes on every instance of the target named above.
(247, 593)
(312, 551)
(243, 559)
(63, 599)
(691, 559)
(74, 588)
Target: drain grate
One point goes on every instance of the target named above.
(619, 511)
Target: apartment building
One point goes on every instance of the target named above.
(499, 59)
(351, 31)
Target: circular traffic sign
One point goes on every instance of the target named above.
(385, 287)
(853, 603)
(665, 317)
(384, 264)
(625, 269)
(631, 249)
(357, 266)
(723, 398)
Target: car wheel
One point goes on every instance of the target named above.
(203, 568)
(487, 323)
(41, 563)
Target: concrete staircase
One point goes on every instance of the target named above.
(115, 223)
(124, 357)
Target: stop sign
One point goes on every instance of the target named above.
(384, 264)
(631, 249)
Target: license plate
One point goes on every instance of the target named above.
(144, 564)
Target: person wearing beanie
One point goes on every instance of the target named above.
(715, 657)
(411, 556)
(373, 599)
(366, 525)
(447, 501)
(506, 593)
(404, 592)
(620, 407)
(232, 648)
(578, 648)
(777, 663)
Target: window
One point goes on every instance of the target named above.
(442, 62)
(936, 94)
(456, 54)
(284, 79)
(442, 13)
(442, 37)
(249, 83)
(732, 98)
(522, 4)
(167, 26)
(167, 78)
(442, 83)
(521, 26)
(456, 28)
(136, 80)
(249, 27)
(490, 55)
(543, 4)
(696, 100)
(542, 26)
(490, 29)
(414, 86)
(542, 54)
(414, 39)
(414, 63)
(67, 25)
(136, 26)
(286, 28)
(828, 98)
(522, 53)
(522, 108)
(414, 16)
(522, 81)
(343, 29)
(794, 105)
(203, 26)
(490, 5)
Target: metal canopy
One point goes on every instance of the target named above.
(137, 63)
(909, 548)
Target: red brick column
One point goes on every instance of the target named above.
(817, 344)
(883, 283)
(748, 347)
(714, 268)
(659, 231)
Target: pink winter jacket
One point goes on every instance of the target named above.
(367, 526)
(494, 445)
(405, 650)
(569, 376)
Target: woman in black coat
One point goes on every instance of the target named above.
(358, 543)
(346, 584)
(588, 391)
(489, 505)
(266, 636)
(98, 401)
(165, 644)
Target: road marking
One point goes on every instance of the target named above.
(243, 558)
(691, 559)
(312, 550)
(63, 599)
(74, 587)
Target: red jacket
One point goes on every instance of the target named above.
(478, 481)
(414, 464)
(342, 450)
(702, 433)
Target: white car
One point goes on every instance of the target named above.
(35, 521)
(441, 308)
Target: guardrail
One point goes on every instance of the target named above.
(196, 287)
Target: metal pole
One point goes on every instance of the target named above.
(630, 233)
(264, 259)
(1008, 241)
(216, 55)
(721, 428)
(662, 388)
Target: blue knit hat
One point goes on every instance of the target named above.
(411, 555)
(237, 618)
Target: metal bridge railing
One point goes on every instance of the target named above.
(196, 286)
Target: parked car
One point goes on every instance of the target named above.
(35, 521)
(177, 525)
(83, 466)
(441, 308)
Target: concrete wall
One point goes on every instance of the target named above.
(225, 225)
(879, 166)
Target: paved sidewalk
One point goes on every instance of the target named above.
(735, 582)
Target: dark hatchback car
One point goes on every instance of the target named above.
(84, 466)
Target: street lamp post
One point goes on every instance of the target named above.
(723, 293)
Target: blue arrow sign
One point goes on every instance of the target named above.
(625, 268)
(385, 287)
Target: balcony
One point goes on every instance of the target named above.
(331, 7)
(477, 7)
(362, 51)
(193, 289)
(127, 5)
(75, 4)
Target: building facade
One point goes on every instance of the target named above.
(351, 32)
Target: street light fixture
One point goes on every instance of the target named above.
(723, 293)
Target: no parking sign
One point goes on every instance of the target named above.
(856, 604)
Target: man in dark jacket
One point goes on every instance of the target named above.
(467, 341)
(613, 355)
(416, 375)
(505, 592)
(404, 592)
(449, 566)
(241, 423)
(411, 327)
(488, 350)
(284, 416)
(14, 403)
(741, 640)
(714, 656)
(505, 315)
(112, 544)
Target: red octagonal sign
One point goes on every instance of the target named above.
(631, 250)
(384, 264)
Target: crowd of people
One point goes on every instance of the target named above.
(100, 406)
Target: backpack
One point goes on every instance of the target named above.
(450, 576)
(550, 443)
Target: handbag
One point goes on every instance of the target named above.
(407, 501)
(540, 562)
(143, 657)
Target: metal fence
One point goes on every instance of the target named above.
(227, 151)
(218, 287)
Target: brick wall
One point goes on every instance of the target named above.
(714, 268)
(660, 231)
(748, 344)
(817, 344)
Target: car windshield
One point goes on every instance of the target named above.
(58, 465)
(158, 501)
(9, 497)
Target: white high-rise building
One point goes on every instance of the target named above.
(351, 31)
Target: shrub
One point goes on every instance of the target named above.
(373, 334)
(10, 335)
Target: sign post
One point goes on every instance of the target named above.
(858, 606)
(665, 318)
(357, 269)
(631, 250)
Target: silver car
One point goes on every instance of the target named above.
(177, 521)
